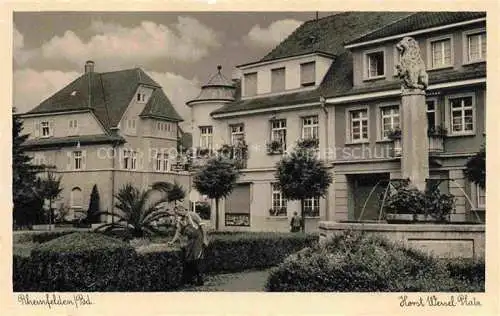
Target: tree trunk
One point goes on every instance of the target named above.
(216, 214)
(303, 221)
(50, 214)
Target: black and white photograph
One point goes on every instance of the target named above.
(250, 151)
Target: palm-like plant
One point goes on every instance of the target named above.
(138, 214)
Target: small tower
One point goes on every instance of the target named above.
(217, 89)
(216, 93)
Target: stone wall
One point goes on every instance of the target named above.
(442, 240)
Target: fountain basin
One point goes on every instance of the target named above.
(440, 240)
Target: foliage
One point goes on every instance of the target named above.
(48, 188)
(176, 193)
(94, 208)
(409, 200)
(308, 143)
(351, 262)
(476, 168)
(275, 147)
(82, 262)
(277, 211)
(394, 133)
(27, 206)
(216, 180)
(238, 153)
(302, 175)
(203, 209)
(437, 131)
(138, 214)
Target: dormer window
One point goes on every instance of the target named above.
(374, 64)
(278, 79)
(475, 49)
(141, 97)
(45, 129)
(250, 84)
(308, 74)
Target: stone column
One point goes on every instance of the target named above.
(413, 117)
(415, 153)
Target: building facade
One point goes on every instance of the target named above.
(106, 129)
(334, 80)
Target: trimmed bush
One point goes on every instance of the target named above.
(38, 237)
(357, 262)
(232, 252)
(94, 262)
(80, 262)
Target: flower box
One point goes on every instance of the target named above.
(274, 148)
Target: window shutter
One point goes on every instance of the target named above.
(307, 74)
(250, 84)
(84, 159)
(278, 80)
(69, 161)
(51, 127)
(37, 128)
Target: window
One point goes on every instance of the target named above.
(441, 55)
(77, 159)
(375, 64)
(359, 125)
(278, 79)
(133, 160)
(158, 162)
(76, 198)
(431, 113)
(311, 207)
(237, 134)
(481, 197)
(278, 132)
(126, 159)
(45, 129)
(310, 127)
(308, 74)
(166, 165)
(250, 84)
(278, 202)
(206, 137)
(131, 125)
(141, 97)
(476, 46)
(389, 116)
(73, 126)
(462, 114)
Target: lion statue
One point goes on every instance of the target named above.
(411, 69)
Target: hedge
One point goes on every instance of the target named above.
(357, 262)
(94, 262)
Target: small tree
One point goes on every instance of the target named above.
(476, 168)
(176, 193)
(49, 188)
(94, 208)
(216, 180)
(301, 175)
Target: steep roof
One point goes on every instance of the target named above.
(218, 88)
(110, 94)
(418, 21)
(328, 34)
(338, 79)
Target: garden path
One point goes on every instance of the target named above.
(247, 281)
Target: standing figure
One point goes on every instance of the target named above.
(296, 223)
(189, 224)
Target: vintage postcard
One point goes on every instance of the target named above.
(166, 156)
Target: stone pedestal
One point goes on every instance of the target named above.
(415, 153)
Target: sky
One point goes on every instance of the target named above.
(179, 50)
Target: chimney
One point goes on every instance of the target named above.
(89, 66)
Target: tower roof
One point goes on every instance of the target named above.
(218, 88)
